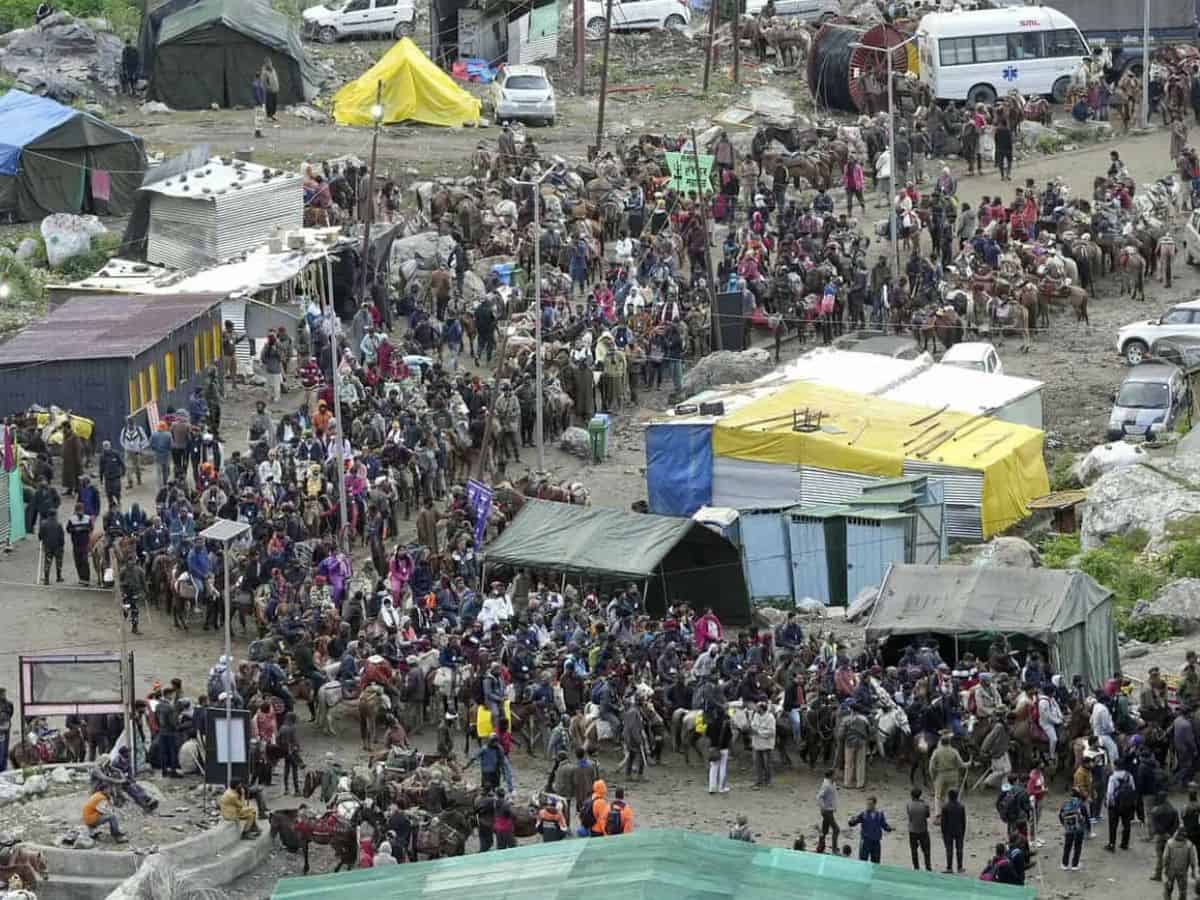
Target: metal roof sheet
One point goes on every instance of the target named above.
(104, 327)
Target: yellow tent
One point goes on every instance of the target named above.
(872, 436)
(414, 90)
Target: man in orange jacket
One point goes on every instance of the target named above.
(619, 819)
(599, 810)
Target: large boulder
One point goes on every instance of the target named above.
(727, 367)
(422, 248)
(1176, 601)
(63, 58)
(769, 617)
(1148, 496)
(1011, 552)
(1105, 458)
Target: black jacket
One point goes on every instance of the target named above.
(954, 820)
(52, 536)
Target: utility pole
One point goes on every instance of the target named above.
(737, 41)
(126, 674)
(491, 413)
(708, 272)
(335, 324)
(1146, 66)
(580, 38)
(537, 324)
(892, 162)
(714, 10)
(377, 116)
(603, 77)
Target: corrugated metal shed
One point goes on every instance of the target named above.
(104, 328)
(220, 210)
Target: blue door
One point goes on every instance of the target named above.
(765, 554)
(810, 569)
(871, 546)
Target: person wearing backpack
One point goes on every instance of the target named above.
(1074, 819)
(1121, 800)
(619, 817)
(1164, 822)
(594, 812)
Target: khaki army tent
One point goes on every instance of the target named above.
(675, 559)
(57, 159)
(414, 90)
(210, 52)
(1065, 611)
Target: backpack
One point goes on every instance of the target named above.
(1126, 797)
(612, 822)
(587, 814)
(216, 685)
(1073, 820)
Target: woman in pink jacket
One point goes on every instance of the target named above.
(706, 630)
(855, 182)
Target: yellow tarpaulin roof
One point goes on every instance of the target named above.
(414, 90)
(873, 436)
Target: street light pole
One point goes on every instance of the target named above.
(536, 187)
(228, 694)
(893, 220)
(1146, 66)
(343, 514)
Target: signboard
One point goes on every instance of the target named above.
(218, 732)
(61, 684)
(683, 172)
(479, 500)
(152, 415)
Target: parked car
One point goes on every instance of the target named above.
(1152, 399)
(337, 19)
(804, 10)
(979, 356)
(523, 92)
(1181, 320)
(633, 15)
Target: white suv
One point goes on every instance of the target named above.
(337, 19)
(633, 15)
(523, 92)
(1134, 341)
(804, 10)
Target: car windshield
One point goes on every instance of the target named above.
(1142, 395)
(525, 83)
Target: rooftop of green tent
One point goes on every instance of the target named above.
(652, 864)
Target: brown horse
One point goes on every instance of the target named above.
(27, 864)
(296, 831)
(1037, 311)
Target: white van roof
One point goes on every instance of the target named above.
(969, 23)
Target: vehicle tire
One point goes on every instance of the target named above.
(402, 30)
(550, 122)
(826, 18)
(1135, 351)
(981, 93)
(1191, 260)
(1058, 93)
(328, 35)
(594, 29)
(674, 22)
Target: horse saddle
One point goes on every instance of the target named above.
(1004, 311)
(325, 826)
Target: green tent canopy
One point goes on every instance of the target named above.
(210, 52)
(1063, 609)
(652, 864)
(678, 559)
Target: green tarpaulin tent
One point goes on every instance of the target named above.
(1065, 610)
(652, 864)
(210, 52)
(677, 559)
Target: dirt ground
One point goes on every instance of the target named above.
(1079, 365)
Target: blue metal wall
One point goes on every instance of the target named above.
(765, 554)
(678, 468)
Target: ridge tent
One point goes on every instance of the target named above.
(210, 52)
(1065, 610)
(414, 90)
(49, 152)
(676, 558)
(147, 41)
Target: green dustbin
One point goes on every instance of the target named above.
(598, 432)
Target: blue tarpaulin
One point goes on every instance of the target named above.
(23, 119)
(679, 464)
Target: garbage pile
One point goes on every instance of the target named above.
(63, 58)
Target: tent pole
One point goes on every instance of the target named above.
(645, 594)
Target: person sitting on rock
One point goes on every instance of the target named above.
(98, 811)
(235, 807)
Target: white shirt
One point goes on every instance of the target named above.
(495, 610)
(1101, 721)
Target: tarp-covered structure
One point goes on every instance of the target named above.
(414, 90)
(210, 52)
(663, 864)
(811, 443)
(50, 152)
(151, 26)
(1065, 610)
(676, 559)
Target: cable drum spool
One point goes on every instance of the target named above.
(829, 66)
(835, 68)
